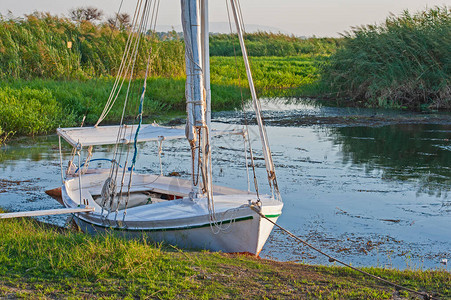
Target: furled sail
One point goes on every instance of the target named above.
(194, 88)
(197, 91)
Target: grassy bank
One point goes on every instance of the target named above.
(45, 84)
(30, 107)
(272, 44)
(402, 63)
(41, 261)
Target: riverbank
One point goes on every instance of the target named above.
(51, 85)
(39, 260)
(38, 106)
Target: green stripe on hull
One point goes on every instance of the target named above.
(272, 216)
(177, 228)
(168, 229)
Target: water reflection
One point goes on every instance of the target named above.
(418, 153)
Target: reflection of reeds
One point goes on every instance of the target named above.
(404, 153)
(3, 137)
(404, 62)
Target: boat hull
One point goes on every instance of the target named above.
(183, 223)
(242, 235)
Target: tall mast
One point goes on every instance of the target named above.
(195, 23)
(256, 103)
(206, 145)
(205, 30)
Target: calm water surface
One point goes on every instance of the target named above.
(371, 195)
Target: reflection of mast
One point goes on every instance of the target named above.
(263, 136)
(197, 90)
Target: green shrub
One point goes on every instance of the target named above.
(29, 112)
(404, 62)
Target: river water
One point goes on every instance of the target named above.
(371, 187)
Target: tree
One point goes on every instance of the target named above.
(122, 19)
(87, 13)
(76, 14)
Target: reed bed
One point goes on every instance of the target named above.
(41, 45)
(404, 62)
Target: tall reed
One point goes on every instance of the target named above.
(36, 46)
(403, 62)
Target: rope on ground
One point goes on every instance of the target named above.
(332, 259)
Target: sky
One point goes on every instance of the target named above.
(299, 17)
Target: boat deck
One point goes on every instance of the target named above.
(227, 201)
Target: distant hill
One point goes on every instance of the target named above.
(223, 27)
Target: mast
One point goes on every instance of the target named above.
(206, 146)
(205, 30)
(195, 24)
(256, 103)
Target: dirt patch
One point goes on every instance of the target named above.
(276, 280)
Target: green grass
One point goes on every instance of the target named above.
(41, 261)
(403, 63)
(28, 111)
(79, 98)
(272, 44)
(37, 106)
(272, 75)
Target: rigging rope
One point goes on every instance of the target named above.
(121, 72)
(256, 208)
(246, 124)
(140, 112)
(153, 23)
(269, 163)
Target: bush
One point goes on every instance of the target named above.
(29, 112)
(404, 62)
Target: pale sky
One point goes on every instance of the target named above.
(300, 17)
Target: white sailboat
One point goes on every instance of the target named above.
(189, 213)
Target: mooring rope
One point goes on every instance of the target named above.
(333, 259)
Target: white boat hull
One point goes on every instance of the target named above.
(246, 235)
(181, 222)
